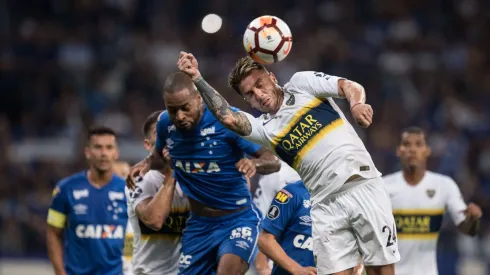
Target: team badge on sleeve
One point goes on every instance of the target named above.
(283, 196)
(273, 212)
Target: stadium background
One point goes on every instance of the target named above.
(65, 65)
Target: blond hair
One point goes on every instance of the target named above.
(242, 69)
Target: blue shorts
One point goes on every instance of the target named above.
(206, 239)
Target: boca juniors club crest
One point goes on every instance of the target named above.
(430, 193)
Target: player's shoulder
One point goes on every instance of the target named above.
(392, 178)
(74, 179)
(153, 176)
(297, 189)
(164, 120)
(439, 178)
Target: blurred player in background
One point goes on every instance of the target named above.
(87, 218)
(157, 210)
(263, 193)
(121, 168)
(420, 199)
(307, 130)
(286, 235)
(209, 161)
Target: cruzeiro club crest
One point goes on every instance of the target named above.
(430, 193)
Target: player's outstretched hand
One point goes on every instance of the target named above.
(305, 271)
(247, 167)
(188, 64)
(137, 171)
(363, 114)
(473, 211)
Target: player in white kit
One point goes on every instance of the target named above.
(420, 198)
(307, 130)
(121, 168)
(157, 210)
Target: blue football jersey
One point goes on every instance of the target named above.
(204, 161)
(289, 220)
(94, 222)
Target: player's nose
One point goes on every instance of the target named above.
(180, 115)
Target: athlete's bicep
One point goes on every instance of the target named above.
(58, 211)
(318, 84)
(139, 207)
(280, 213)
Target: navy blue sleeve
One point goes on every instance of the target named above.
(281, 212)
(161, 128)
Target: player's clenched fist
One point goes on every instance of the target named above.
(363, 114)
(247, 167)
(188, 64)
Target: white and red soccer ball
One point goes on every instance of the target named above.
(268, 39)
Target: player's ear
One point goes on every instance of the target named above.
(147, 144)
(398, 153)
(428, 152)
(273, 77)
(86, 151)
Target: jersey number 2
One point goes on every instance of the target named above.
(391, 235)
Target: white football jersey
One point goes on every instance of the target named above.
(156, 252)
(128, 250)
(418, 211)
(312, 135)
(269, 185)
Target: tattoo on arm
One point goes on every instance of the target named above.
(235, 121)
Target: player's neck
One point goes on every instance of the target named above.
(99, 179)
(413, 176)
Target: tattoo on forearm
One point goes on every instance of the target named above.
(235, 121)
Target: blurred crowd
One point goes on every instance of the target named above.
(66, 65)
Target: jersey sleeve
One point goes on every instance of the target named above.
(147, 187)
(455, 204)
(58, 211)
(161, 128)
(318, 84)
(258, 134)
(280, 213)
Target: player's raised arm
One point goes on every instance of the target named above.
(153, 211)
(238, 122)
(57, 216)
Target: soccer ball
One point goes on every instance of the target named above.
(267, 39)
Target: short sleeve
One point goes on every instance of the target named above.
(162, 131)
(280, 213)
(147, 187)
(258, 131)
(58, 211)
(455, 204)
(318, 84)
(268, 186)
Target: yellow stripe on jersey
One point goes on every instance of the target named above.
(159, 237)
(56, 219)
(308, 126)
(421, 211)
(423, 236)
(312, 142)
(418, 223)
(128, 245)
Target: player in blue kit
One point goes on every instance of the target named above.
(209, 163)
(286, 236)
(87, 218)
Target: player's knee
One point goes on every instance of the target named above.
(230, 264)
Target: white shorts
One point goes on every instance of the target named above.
(353, 222)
